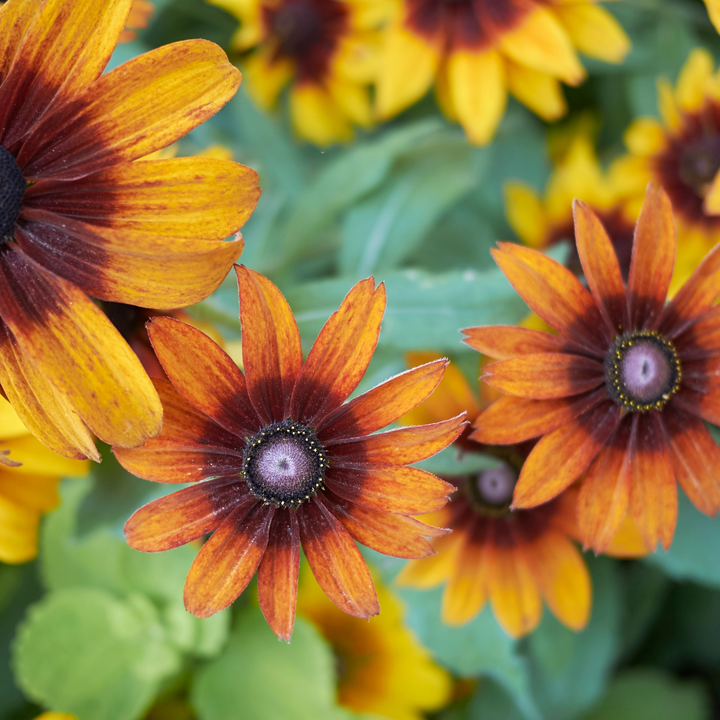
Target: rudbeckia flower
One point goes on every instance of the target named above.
(577, 173)
(382, 668)
(29, 476)
(620, 395)
(291, 463)
(681, 153)
(477, 52)
(80, 219)
(326, 50)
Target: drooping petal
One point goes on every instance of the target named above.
(400, 447)
(390, 488)
(272, 354)
(228, 560)
(545, 376)
(204, 374)
(335, 560)
(605, 492)
(278, 574)
(340, 356)
(601, 268)
(383, 404)
(555, 294)
(512, 419)
(186, 515)
(653, 495)
(503, 342)
(14, 20)
(561, 456)
(70, 340)
(653, 259)
(189, 82)
(64, 48)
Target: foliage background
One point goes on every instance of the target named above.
(98, 627)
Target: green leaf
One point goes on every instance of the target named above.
(83, 651)
(451, 462)
(649, 694)
(267, 678)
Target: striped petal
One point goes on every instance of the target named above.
(503, 342)
(15, 17)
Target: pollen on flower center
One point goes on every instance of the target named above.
(491, 490)
(642, 371)
(297, 26)
(284, 464)
(12, 191)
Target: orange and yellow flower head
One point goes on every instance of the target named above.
(325, 49)
(477, 51)
(81, 217)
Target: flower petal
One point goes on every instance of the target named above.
(278, 574)
(272, 354)
(653, 494)
(383, 404)
(512, 419)
(227, 562)
(561, 456)
(555, 294)
(186, 515)
(204, 374)
(703, 404)
(390, 488)
(15, 17)
(503, 342)
(605, 492)
(702, 339)
(545, 376)
(189, 82)
(601, 268)
(341, 354)
(653, 259)
(336, 561)
(70, 340)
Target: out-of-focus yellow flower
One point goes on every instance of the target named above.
(681, 153)
(713, 8)
(382, 668)
(476, 51)
(326, 49)
(29, 490)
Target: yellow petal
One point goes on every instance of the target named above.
(711, 205)
(28, 490)
(628, 543)
(713, 8)
(18, 532)
(594, 31)
(443, 94)
(538, 90)
(317, 117)
(266, 77)
(10, 423)
(37, 459)
(667, 105)
(525, 213)
(541, 43)
(14, 20)
(644, 137)
(477, 86)
(353, 99)
(693, 80)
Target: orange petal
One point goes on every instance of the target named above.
(653, 495)
(189, 82)
(390, 488)
(14, 20)
(628, 543)
(653, 259)
(555, 294)
(702, 339)
(512, 419)
(705, 405)
(335, 560)
(383, 404)
(605, 491)
(601, 267)
(545, 376)
(341, 354)
(400, 447)
(272, 354)
(434, 569)
(503, 342)
(278, 574)
(70, 340)
(561, 456)
(186, 515)
(204, 374)
(227, 562)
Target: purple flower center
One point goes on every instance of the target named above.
(494, 488)
(12, 191)
(642, 371)
(284, 464)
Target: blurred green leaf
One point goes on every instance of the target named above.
(645, 694)
(83, 651)
(187, 19)
(267, 678)
(451, 462)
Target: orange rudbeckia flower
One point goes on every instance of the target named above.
(291, 463)
(620, 394)
(80, 219)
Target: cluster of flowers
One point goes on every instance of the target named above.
(592, 423)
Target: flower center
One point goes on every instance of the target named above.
(297, 25)
(491, 491)
(12, 190)
(642, 371)
(699, 163)
(284, 464)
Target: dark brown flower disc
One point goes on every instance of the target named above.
(12, 191)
